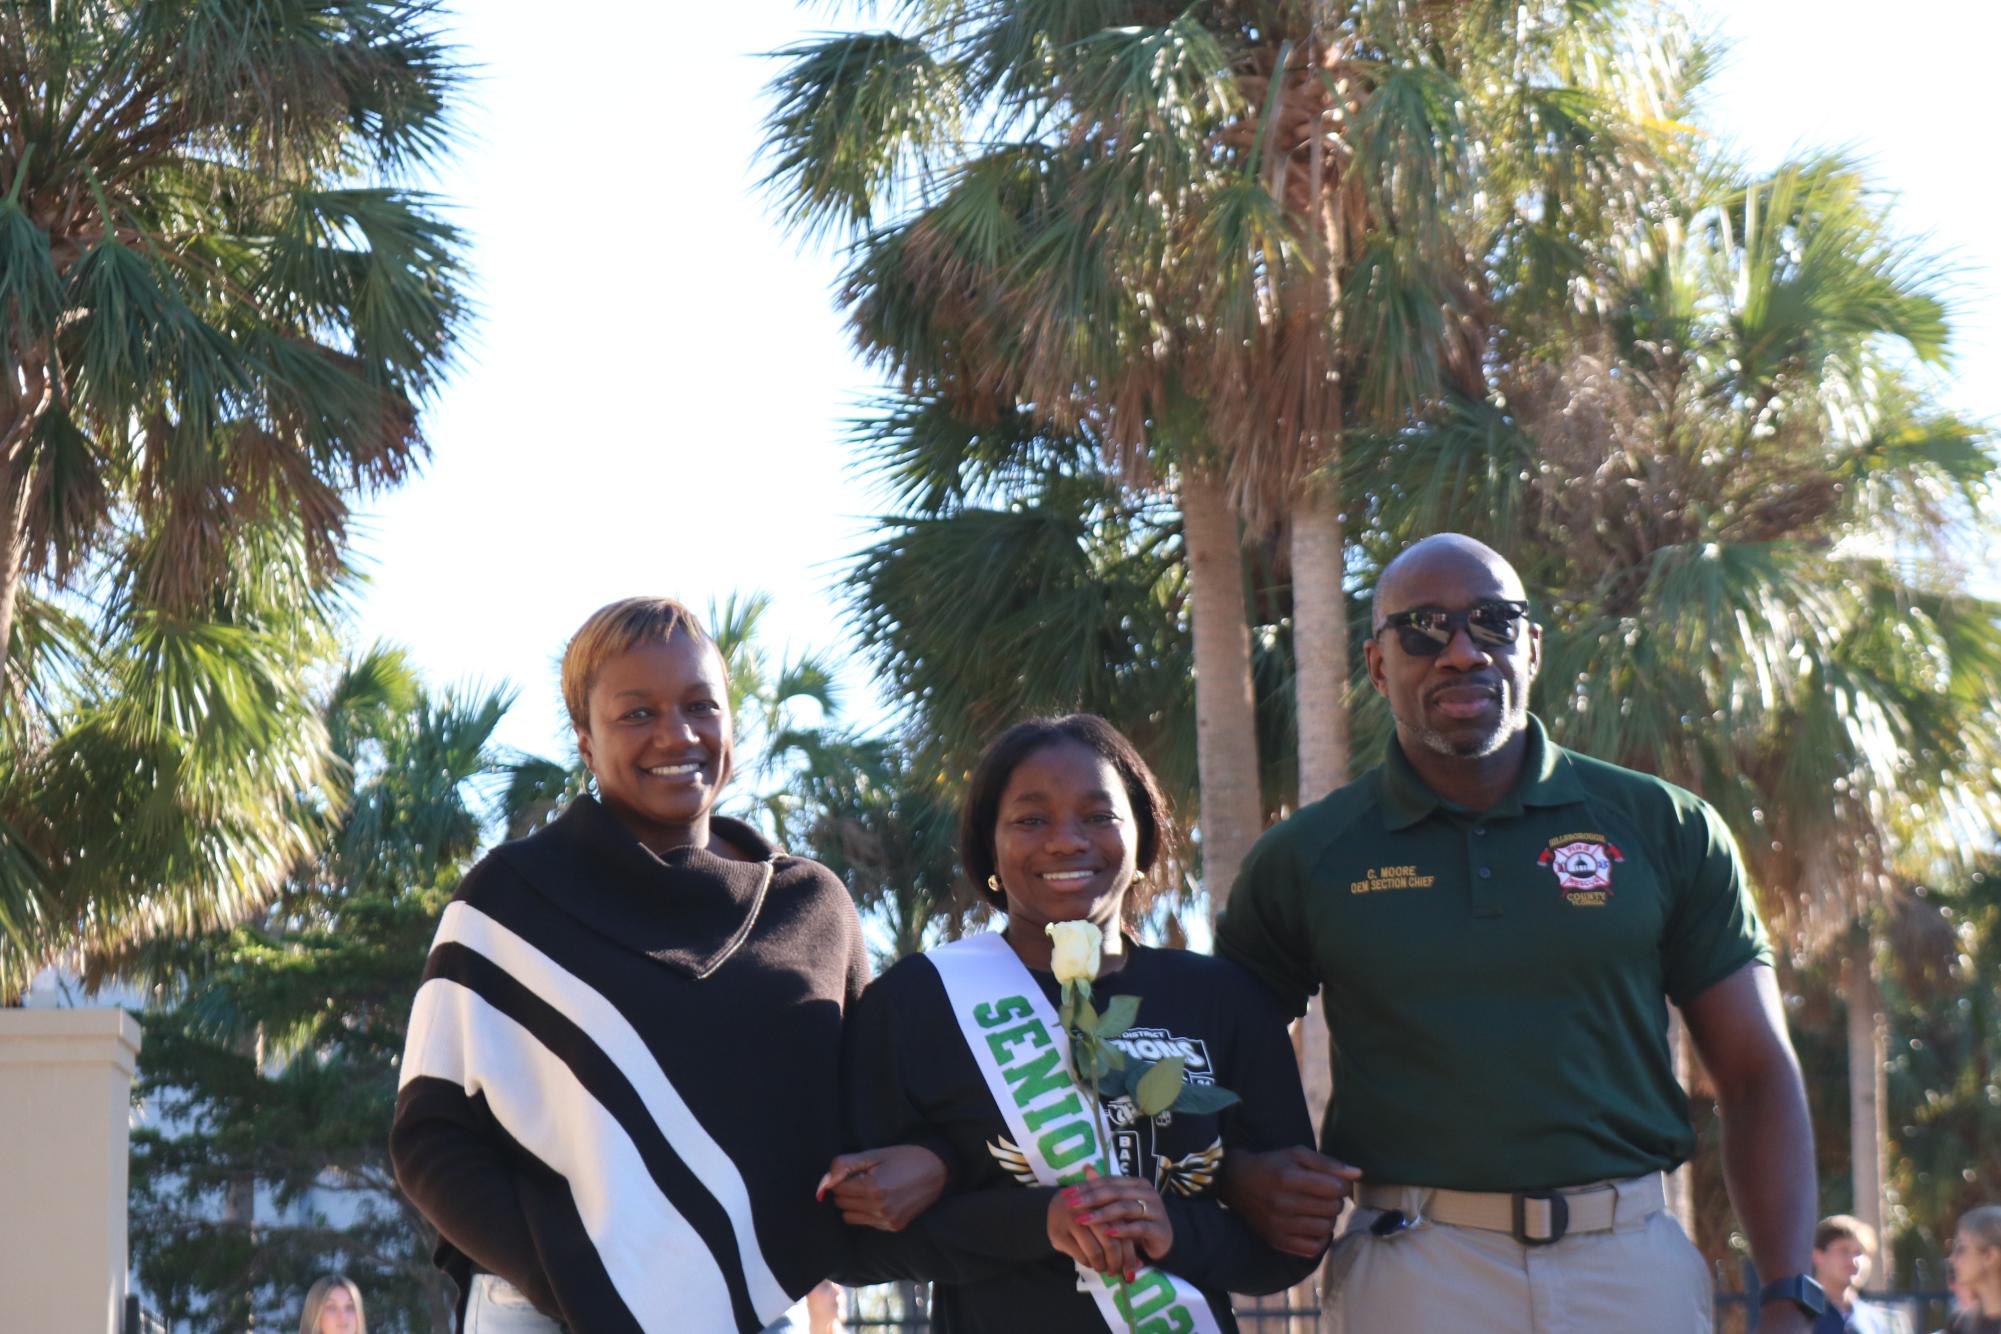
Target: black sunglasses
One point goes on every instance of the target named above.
(1424, 632)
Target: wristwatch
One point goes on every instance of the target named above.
(1799, 1289)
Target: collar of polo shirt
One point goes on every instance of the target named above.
(1546, 780)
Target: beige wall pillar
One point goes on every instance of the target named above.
(65, 1117)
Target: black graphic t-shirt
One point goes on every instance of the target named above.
(909, 1076)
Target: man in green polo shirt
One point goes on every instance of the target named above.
(1498, 925)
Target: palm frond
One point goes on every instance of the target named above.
(70, 499)
(537, 789)
(850, 113)
(930, 459)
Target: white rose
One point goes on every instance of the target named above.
(1078, 944)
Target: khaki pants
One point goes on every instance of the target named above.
(1642, 1277)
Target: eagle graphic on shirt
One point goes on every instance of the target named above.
(1190, 1174)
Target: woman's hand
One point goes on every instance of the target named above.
(1125, 1208)
(884, 1188)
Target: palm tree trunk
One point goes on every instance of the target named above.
(1868, 1126)
(13, 553)
(1319, 601)
(239, 1193)
(1319, 641)
(1226, 737)
(1320, 682)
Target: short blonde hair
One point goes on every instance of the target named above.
(316, 1302)
(619, 627)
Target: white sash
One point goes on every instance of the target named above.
(1024, 1055)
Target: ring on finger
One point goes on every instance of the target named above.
(1142, 1207)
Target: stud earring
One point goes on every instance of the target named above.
(994, 884)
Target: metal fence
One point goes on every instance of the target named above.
(138, 1320)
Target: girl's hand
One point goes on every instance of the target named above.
(1126, 1208)
(1100, 1250)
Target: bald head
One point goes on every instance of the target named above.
(1448, 557)
(1461, 700)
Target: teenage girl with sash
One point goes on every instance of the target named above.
(962, 1045)
(622, 1075)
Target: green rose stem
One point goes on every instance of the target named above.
(1081, 1045)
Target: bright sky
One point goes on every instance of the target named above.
(656, 395)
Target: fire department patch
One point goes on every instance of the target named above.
(1583, 866)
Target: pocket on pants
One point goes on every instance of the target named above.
(1345, 1251)
(501, 1293)
(496, 1306)
(1350, 1246)
(1701, 1281)
(1651, 1278)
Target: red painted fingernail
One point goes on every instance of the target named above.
(1086, 1218)
(1131, 1274)
(1069, 1192)
(1113, 1232)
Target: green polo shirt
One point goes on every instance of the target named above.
(1497, 981)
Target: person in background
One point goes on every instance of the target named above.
(333, 1306)
(1957, 1305)
(1976, 1271)
(622, 1076)
(1843, 1248)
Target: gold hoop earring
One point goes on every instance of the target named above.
(994, 886)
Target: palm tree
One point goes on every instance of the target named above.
(211, 310)
(1010, 592)
(1725, 476)
(1204, 238)
(766, 696)
(170, 766)
(888, 828)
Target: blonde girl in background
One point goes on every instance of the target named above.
(333, 1306)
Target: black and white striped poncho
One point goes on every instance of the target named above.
(622, 1077)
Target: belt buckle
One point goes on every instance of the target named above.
(1559, 1217)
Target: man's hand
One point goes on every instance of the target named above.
(884, 1188)
(1291, 1198)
